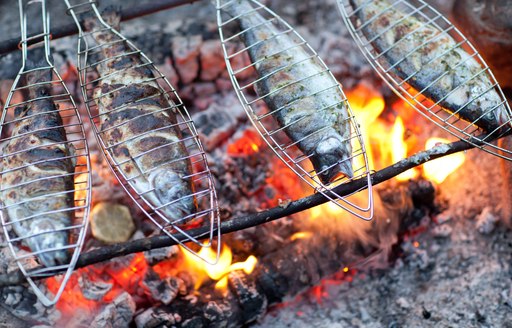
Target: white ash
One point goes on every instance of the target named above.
(117, 314)
(486, 221)
(160, 254)
(93, 290)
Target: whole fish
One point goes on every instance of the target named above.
(139, 128)
(433, 57)
(318, 121)
(37, 181)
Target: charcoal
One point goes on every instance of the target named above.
(157, 255)
(119, 313)
(93, 290)
(161, 290)
(153, 318)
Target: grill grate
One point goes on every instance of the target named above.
(45, 168)
(431, 65)
(143, 128)
(294, 101)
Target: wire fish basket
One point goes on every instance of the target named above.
(294, 101)
(431, 65)
(45, 187)
(146, 134)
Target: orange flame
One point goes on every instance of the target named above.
(248, 144)
(439, 169)
(202, 271)
(399, 149)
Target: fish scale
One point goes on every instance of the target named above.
(306, 120)
(45, 172)
(430, 64)
(143, 128)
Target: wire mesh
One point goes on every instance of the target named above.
(294, 101)
(146, 134)
(429, 63)
(45, 184)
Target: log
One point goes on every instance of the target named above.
(144, 9)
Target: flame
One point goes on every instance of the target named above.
(367, 105)
(438, 170)
(301, 235)
(248, 144)
(399, 149)
(201, 270)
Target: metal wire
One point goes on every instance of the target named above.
(45, 167)
(246, 27)
(431, 65)
(160, 115)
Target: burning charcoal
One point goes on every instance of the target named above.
(252, 301)
(157, 255)
(119, 313)
(111, 223)
(163, 290)
(186, 52)
(215, 125)
(212, 60)
(486, 221)
(153, 318)
(168, 71)
(93, 290)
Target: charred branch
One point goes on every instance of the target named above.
(109, 252)
(148, 8)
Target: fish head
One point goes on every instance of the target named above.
(47, 236)
(175, 191)
(332, 159)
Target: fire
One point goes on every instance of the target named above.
(439, 169)
(399, 149)
(202, 271)
(301, 235)
(248, 144)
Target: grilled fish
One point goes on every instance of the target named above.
(437, 64)
(138, 127)
(301, 95)
(37, 181)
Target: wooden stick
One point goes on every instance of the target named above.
(112, 251)
(148, 8)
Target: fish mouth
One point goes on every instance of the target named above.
(332, 160)
(48, 247)
(176, 195)
(49, 244)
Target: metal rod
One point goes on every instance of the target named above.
(145, 244)
(149, 8)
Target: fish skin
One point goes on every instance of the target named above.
(330, 150)
(34, 147)
(490, 121)
(141, 102)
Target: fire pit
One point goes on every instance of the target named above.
(436, 253)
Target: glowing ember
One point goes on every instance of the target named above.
(249, 143)
(217, 272)
(399, 149)
(439, 169)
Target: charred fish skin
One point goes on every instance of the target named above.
(37, 181)
(139, 126)
(437, 64)
(295, 87)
